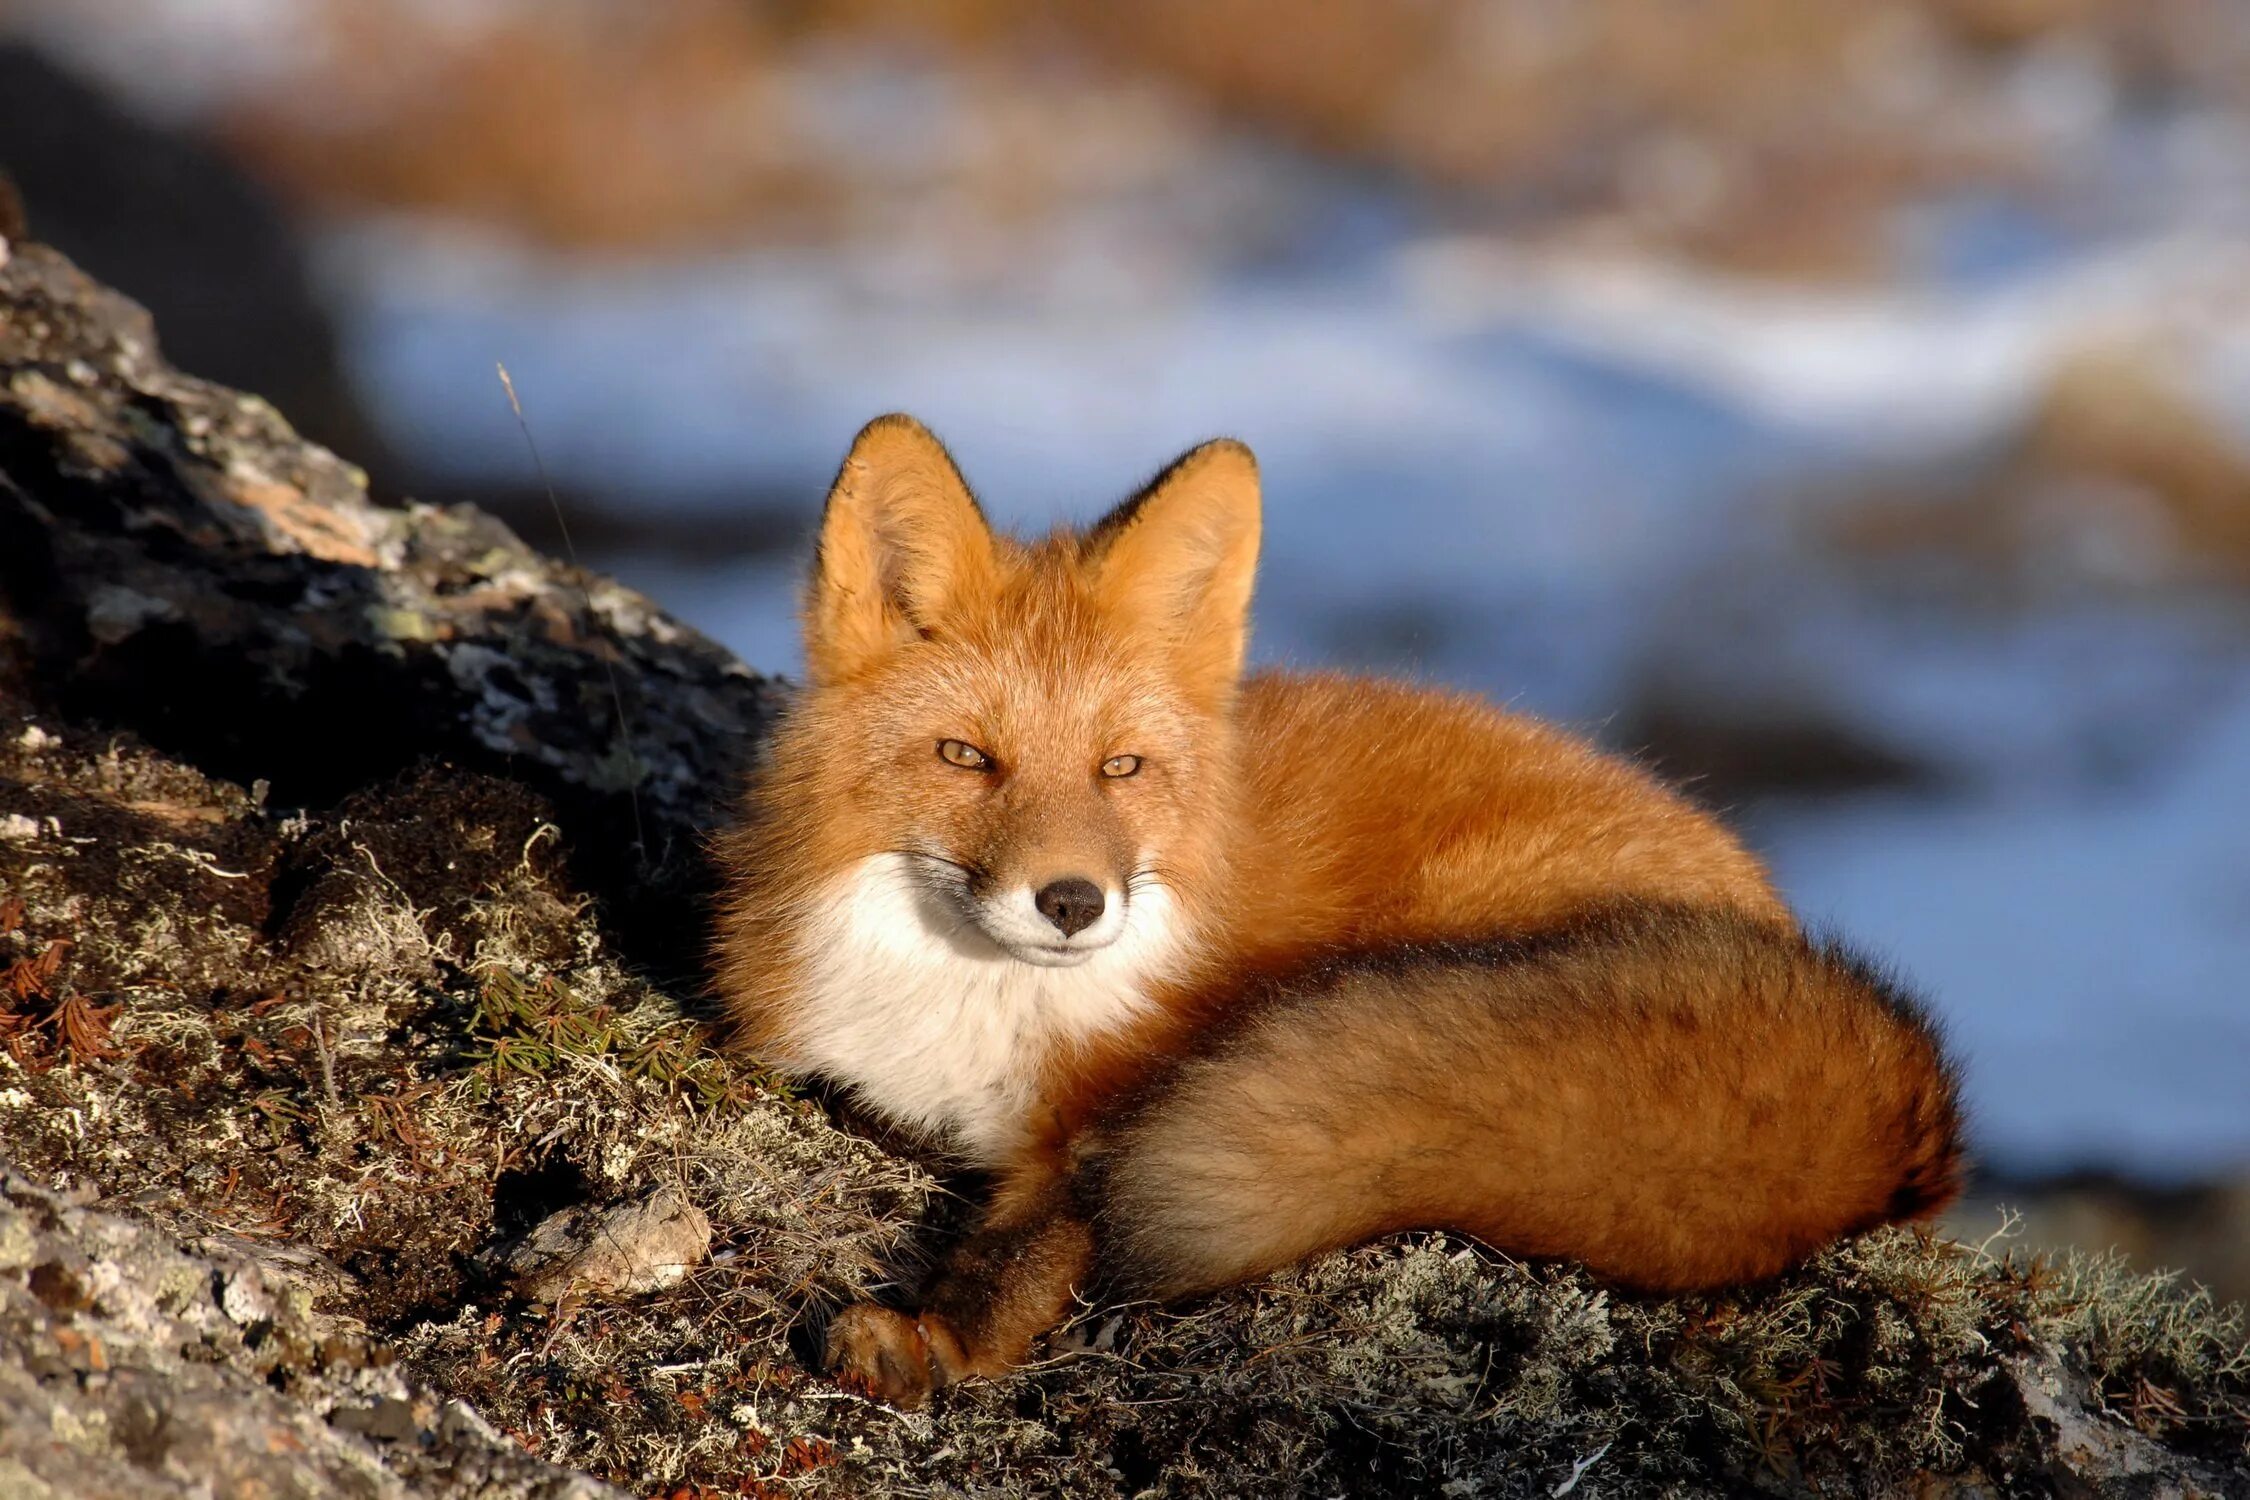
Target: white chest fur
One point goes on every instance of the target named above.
(929, 1022)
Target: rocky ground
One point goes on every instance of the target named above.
(364, 1134)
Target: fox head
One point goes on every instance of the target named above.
(1038, 732)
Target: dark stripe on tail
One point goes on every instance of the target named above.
(1328, 1102)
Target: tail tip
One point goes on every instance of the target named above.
(1934, 1169)
(1924, 1193)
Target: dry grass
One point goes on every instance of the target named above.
(1765, 135)
(2121, 480)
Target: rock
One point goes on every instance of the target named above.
(164, 1371)
(343, 934)
(621, 1252)
(293, 631)
(2087, 1452)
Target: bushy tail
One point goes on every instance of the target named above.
(1678, 1098)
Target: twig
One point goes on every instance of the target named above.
(319, 1031)
(609, 667)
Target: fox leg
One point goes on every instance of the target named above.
(1011, 1280)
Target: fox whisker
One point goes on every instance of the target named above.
(954, 871)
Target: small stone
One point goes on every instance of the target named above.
(244, 1299)
(17, 1241)
(59, 1287)
(115, 613)
(402, 624)
(623, 1252)
(389, 1420)
(340, 1353)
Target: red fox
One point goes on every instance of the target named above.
(1214, 972)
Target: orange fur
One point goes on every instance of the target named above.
(1371, 957)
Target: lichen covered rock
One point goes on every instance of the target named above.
(136, 1365)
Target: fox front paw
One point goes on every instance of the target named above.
(881, 1353)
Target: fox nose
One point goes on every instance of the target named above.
(1071, 904)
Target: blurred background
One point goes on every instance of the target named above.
(1844, 407)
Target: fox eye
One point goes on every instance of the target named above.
(963, 754)
(1121, 765)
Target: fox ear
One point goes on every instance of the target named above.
(1182, 555)
(902, 543)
